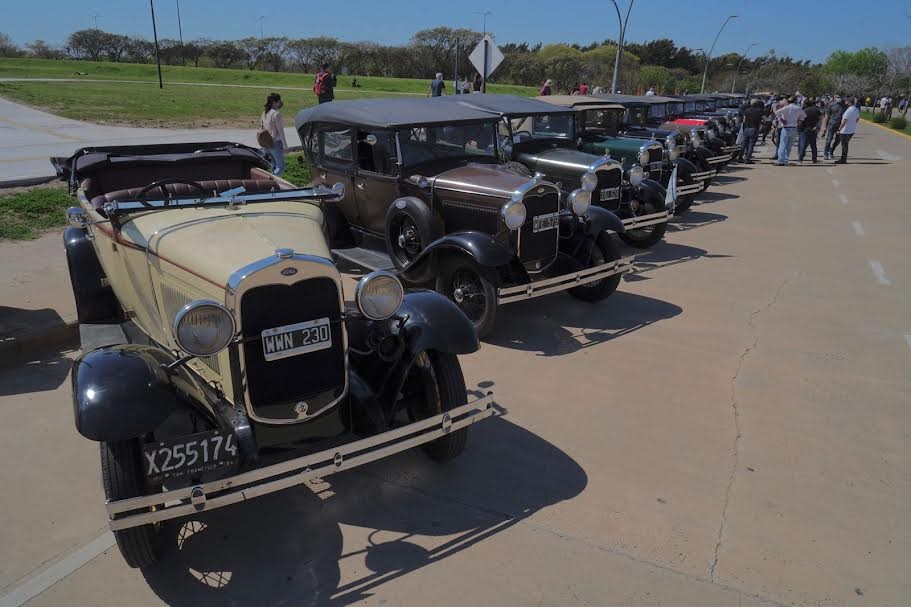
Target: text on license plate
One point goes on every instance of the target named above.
(541, 223)
(655, 166)
(189, 456)
(610, 194)
(299, 338)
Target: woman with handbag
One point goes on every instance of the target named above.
(271, 135)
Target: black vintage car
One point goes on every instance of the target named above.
(539, 137)
(427, 195)
(220, 360)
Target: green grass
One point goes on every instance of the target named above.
(25, 215)
(297, 172)
(868, 116)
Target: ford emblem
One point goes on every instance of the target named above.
(289, 271)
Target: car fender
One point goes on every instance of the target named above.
(685, 168)
(600, 219)
(481, 247)
(95, 302)
(651, 191)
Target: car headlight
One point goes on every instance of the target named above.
(203, 328)
(378, 295)
(513, 214)
(672, 153)
(635, 175)
(643, 157)
(697, 141)
(579, 201)
(710, 132)
(589, 181)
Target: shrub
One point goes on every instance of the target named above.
(898, 122)
(879, 118)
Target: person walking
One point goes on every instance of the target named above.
(809, 130)
(752, 121)
(830, 126)
(466, 85)
(271, 121)
(546, 88)
(789, 116)
(324, 84)
(847, 128)
(437, 86)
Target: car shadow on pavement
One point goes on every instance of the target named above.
(726, 179)
(710, 197)
(560, 325)
(338, 540)
(694, 219)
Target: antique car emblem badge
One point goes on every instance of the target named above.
(289, 271)
(301, 409)
(540, 190)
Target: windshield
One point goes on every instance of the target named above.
(423, 144)
(607, 121)
(659, 110)
(675, 108)
(690, 106)
(637, 115)
(549, 126)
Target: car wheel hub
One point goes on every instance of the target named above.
(458, 295)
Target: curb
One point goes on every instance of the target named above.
(55, 335)
(26, 181)
(890, 130)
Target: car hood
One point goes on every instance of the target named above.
(480, 179)
(215, 243)
(559, 161)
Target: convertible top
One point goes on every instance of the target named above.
(628, 100)
(581, 101)
(509, 105)
(390, 113)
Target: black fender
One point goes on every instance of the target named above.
(95, 303)
(685, 169)
(122, 392)
(481, 247)
(702, 155)
(599, 219)
(652, 191)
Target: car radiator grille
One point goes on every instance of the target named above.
(537, 250)
(459, 215)
(611, 179)
(316, 378)
(655, 162)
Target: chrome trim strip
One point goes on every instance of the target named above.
(566, 281)
(718, 159)
(317, 465)
(693, 188)
(646, 220)
(703, 175)
(731, 148)
(318, 192)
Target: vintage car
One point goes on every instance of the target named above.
(538, 137)
(721, 125)
(426, 194)
(220, 360)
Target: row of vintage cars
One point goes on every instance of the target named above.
(221, 360)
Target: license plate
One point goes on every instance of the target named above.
(300, 338)
(655, 166)
(540, 223)
(610, 194)
(189, 456)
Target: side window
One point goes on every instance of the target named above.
(337, 145)
(379, 157)
(311, 142)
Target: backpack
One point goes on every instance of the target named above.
(319, 85)
(263, 136)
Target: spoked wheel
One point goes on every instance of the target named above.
(405, 238)
(592, 254)
(469, 286)
(122, 479)
(435, 385)
(645, 237)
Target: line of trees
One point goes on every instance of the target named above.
(660, 64)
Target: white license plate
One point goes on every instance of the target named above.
(610, 194)
(655, 166)
(299, 338)
(189, 456)
(540, 223)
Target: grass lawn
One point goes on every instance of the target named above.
(869, 117)
(24, 215)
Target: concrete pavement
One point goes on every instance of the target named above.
(731, 429)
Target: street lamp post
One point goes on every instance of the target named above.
(180, 34)
(261, 17)
(708, 57)
(95, 17)
(737, 71)
(485, 14)
(619, 54)
(155, 36)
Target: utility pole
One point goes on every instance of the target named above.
(95, 17)
(180, 34)
(708, 57)
(737, 71)
(155, 35)
(619, 54)
(261, 30)
(484, 75)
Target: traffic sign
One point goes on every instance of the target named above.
(493, 54)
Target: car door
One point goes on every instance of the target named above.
(376, 182)
(336, 164)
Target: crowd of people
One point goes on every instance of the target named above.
(886, 104)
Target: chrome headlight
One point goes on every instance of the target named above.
(203, 328)
(711, 132)
(697, 141)
(672, 152)
(635, 175)
(578, 201)
(378, 295)
(513, 214)
(589, 181)
(643, 157)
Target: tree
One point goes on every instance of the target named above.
(435, 48)
(195, 49)
(867, 62)
(140, 50)
(275, 51)
(86, 44)
(41, 50)
(115, 46)
(657, 76)
(225, 53)
(170, 51)
(8, 48)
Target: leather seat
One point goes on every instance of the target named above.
(181, 190)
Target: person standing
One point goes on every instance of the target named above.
(650, 92)
(809, 130)
(546, 88)
(583, 88)
(478, 83)
(437, 86)
(830, 126)
(466, 85)
(271, 120)
(752, 121)
(847, 129)
(324, 85)
(789, 116)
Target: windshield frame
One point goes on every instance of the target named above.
(522, 118)
(619, 121)
(404, 164)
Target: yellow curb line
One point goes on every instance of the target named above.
(885, 128)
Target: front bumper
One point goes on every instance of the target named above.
(685, 189)
(719, 159)
(730, 149)
(642, 221)
(703, 175)
(132, 512)
(566, 281)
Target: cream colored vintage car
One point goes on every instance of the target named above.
(215, 329)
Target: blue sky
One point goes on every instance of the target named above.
(807, 29)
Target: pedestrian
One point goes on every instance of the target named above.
(437, 86)
(575, 90)
(598, 90)
(324, 84)
(830, 126)
(478, 82)
(809, 130)
(752, 121)
(272, 135)
(902, 105)
(583, 89)
(847, 128)
(466, 85)
(788, 116)
(889, 107)
(546, 88)
(650, 92)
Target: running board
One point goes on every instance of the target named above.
(365, 258)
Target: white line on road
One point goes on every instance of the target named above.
(843, 199)
(858, 228)
(880, 273)
(836, 183)
(56, 572)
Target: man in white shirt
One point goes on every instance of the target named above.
(650, 92)
(789, 116)
(847, 129)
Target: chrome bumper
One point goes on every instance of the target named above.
(704, 175)
(566, 281)
(645, 220)
(731, 148)
(692, 188)
(719, 159)
(223, 492)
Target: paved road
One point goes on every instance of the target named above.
(28, 137)
(730, 429)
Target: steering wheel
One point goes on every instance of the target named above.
(163, 182)
(521, 136)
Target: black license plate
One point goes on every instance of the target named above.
(299, 338)
(541, 223)
(610, 194)
(189, 456)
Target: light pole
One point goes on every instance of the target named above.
(737, 71)
(708, 57)
(261, 30)
(95, 17)
(155, 36)
(618, 55)
(180, 34)
(485, 14)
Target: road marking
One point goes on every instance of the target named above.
(843, 199)
(880, 273)
(858, 228)
(56, 572)
(830, 171)
(836, 183)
